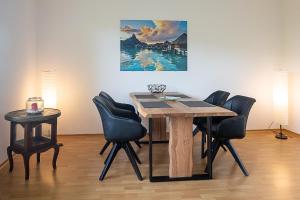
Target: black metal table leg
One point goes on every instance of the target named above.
(150, 149)
(209, 153)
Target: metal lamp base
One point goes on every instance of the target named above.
(281, 136)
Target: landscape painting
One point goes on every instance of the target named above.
(153, 45)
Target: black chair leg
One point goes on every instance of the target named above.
(215, 148)
(204, 154)
(223, 147)
(132, 160)
(195, 131)
(134, 154)
(108, 155)
(138, 144)
(110, 159)
(104, 147)
(236, 157)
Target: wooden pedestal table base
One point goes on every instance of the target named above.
(181, 147)
(181, 137)
(181, 152)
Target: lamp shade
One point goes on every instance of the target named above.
(49, 88)
(280, 97)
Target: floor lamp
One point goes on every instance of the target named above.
(49, 88)
(280, 100)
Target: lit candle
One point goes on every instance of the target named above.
(34, 106)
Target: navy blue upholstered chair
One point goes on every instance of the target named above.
(119, 129)
(233, 127)
(217, 98)
(125, 109)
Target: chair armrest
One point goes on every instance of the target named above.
(126, 114)
(125, 106)
(231, 128)
(202, 122)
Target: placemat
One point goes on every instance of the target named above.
(155, 104)
(145, 96)
(196, 104)
(179, 95)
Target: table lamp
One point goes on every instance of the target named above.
(280, 100)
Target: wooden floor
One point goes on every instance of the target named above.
(273, 166)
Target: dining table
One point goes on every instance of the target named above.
(180, 109)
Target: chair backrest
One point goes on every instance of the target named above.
(117, 127)
(107, 96)
(240, 105)
(106, 114)
(217, 98)
(109, 103)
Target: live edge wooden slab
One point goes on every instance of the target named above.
(177, 109)
(181, 124)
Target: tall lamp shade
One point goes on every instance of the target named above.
(280, 100)
(49, 88)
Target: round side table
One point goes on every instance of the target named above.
(34, 141)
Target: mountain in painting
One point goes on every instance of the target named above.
(132, 42)
(181, 41)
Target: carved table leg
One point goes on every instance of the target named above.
(13, 129)
(10, 159)
(56, 152)
(38, 134)
(27, 147)
(26, 158)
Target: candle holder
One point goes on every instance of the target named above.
(34, 105)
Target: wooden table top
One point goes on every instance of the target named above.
(177, 108)
(20, 116)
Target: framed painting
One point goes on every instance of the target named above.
(153, 45)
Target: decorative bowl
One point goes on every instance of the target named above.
(157, 88)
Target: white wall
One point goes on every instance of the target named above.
(232, 45)
(292, 59)
(17, 60)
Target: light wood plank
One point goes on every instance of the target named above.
(177, 108)
(159, 129)
(181, 147)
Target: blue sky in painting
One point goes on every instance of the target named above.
(137, 23)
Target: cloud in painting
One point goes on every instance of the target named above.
(162, 31)
(129, 29)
